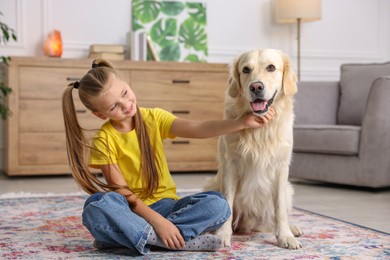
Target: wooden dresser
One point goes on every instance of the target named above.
(34, 133)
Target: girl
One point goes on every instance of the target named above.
(137, 205)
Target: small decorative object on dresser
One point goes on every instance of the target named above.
(35, 135)
(53, 44)
(107, 51)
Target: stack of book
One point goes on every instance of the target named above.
(107, 51)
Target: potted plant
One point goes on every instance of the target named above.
(7, 34)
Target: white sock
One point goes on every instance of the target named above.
(205, 242)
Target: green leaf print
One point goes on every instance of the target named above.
(176, 28)
(136, 25)
(170, 52)
(193, 35)
(164, 32)
(192, 58)
(172, 8)
(197, 11)
(146, 11)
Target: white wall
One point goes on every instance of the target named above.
(349, 31)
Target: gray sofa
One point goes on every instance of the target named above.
(342, 129)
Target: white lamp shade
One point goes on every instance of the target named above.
(288, 11)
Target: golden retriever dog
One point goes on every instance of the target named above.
(254, 163)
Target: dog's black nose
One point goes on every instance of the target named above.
(256, 86)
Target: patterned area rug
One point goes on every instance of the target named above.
(50, 228)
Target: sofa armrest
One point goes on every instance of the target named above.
(375, 135)
(317, 102)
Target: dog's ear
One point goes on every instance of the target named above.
(234, 89)
(289, 77)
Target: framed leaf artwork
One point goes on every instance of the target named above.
(176, 30)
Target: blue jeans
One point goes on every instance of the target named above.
(110, 219)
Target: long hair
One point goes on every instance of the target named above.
(78, 148)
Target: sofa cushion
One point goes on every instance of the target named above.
(327, 139)
(355, 83)
(317, 102)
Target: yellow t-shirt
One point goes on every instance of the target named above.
(123, 150)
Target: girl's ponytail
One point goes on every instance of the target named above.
(77, 146)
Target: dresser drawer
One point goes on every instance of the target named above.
(176, 86)
(189, 110)
(191, 150)
(46, 83)
(42, 149)
(49, 83)
(38, 115)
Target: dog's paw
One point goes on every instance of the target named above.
(225, 235)
(226, 240)
(296, 231)
(289, 242)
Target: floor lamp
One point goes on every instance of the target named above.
(298, 11)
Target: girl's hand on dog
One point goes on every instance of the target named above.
(254, 121)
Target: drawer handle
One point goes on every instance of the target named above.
(180, 142)
(181, 81)
(81, 111)
(73, 79)
(181, 112)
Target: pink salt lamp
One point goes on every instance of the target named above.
(53, 44)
